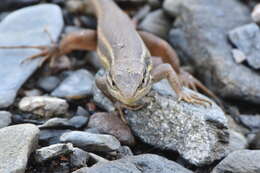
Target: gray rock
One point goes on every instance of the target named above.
(48, 83)
(78, 122)
(197, 132)
(173, 7)
(79, 158)
(250, 121)
(93, 158)
(233, 125)
(7, 5)
(59, 123)
(99, 98)
(55, 123)
(124, 151)
(52, 152)
(157, 23)
(110, 123)
(241, 161)
(154, 3)
(246, 38)
(204, 27)
(24, 32)
(255, 143)
(82, 112)
(44, 105)
(5, 119)
(237, 141)
(50, 137)
(238, 55)
(91, 142)
(16, 144)
(77, 85)
(146, 163)
(256, 14)
(32, 92)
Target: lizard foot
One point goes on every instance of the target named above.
(120, 107)
(191, 82)
(192, 98)
(48, 52)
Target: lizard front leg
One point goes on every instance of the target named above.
(160, 48)
(80, 40)
(165, 71)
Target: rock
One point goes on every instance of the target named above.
(96, 159)
(204, 27)
(60, 123)
(44, 105)
(91, 142)
(78, 122)
(197, 132)
(146, 163)
(237, 141)
(25, 32)
(5, 119)
(250, 121)
(233, 125)
(110, 123)
(48, 83)
(77, 85)
(255, 143)
(124, 151)
(99, 98)
(79, 158)
(238, 55)
(246, 38)
(7, 5)
(82, 112)
(157, 23)
(26, 118)
(56, 123)
(256, 14)
(154, 3)
(16, 144)
(52, 152)
(32, 92)
(50, 137)
(241, 161)
(173, 7)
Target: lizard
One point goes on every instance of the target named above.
(133, 60)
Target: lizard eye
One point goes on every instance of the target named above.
(111, 81)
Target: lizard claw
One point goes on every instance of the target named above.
(189, 81)
(192, 98)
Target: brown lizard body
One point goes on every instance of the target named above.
(128, 56)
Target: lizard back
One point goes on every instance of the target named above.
(118, 40)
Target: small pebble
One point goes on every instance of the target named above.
(79, 157)
(238, 55)
(48, 83)
(256, 14)
(91, 142)
(110, 123)
(52, 152)
(5, 119)
(77, 85)
(44, 105)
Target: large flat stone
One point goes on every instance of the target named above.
(197, 132)
(202, 27)
(24, 27)
(146, 163)
(16, 144)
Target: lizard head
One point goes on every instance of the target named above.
(129, 81)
